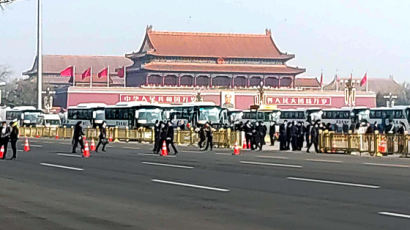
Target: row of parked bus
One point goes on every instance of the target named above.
(142, 114)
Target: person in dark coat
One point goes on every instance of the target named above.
(261, 133)
(102, 137)
(162, 136)
(4, 137)
(307, 129)
(157, 132)
(170, 138)
(282, 136)
(202, 137)
(300, 135)
(255, 138)
(294, 136)
(248, 133)
(209, 137)
(314, 137)
(289, 135)
(14, 136)
(369, 129)
(272, 131)
(78, 137)
(401, 137)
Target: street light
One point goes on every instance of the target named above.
(39, 57)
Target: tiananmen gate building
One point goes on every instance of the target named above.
(174, 67)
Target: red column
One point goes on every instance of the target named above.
(293, 81)
(279, 82)
(194, 80)
(179, 80)
(146, 80)
(163, 80)
(247, 82)
(233, 82)
(210, 81)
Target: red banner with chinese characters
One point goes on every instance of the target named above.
(284, 100)
(166, 99)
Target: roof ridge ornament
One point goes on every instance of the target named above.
(149, 28)
(268, 32)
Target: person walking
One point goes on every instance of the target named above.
(307, 131)
(170, 138)
(209, 135)
(248, 133)
(78, 137)
(157, 132)
(261, 133)
(202, 137)
(14, 136)
(4, 137)
(102, 138)
(314, 138)
(272, 131)
(283, 136)
(162, 136)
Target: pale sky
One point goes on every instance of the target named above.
(347, 36)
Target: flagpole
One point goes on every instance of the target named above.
(91, 77)
(125, 76)
(73, 75)
(337, 84)
(367, 83)
(108, 76)
(39, 57)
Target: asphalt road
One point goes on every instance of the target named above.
(128, 187)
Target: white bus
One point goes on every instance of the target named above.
(299, 115)
(25, 115)
(398, 114)
(91, 114)
(197, 114)
(133, 114)
(341, 119)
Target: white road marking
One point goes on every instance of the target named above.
(154, 155)
(191, 185)
(38, 146)
(68, 155)
(272, 157)
(394, 214)
(225, 154)
(126, 147)
(62, 166)
(270, 164)
(387, 165)
(167, 165)
(19, 150)
(195, 151)
(324, 160)
(333, 182)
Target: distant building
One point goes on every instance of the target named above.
(174, 67)
(54, 64)
(377, 85)
(210, 60)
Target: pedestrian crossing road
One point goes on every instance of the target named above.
(128, 187)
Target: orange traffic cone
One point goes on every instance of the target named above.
(236, 150)
(2, 151)
(249, 145)
(164, 151)
(243, 144)
(57, 137)
(110, 138)
(92, 146)
(26, 146)
(86, 152)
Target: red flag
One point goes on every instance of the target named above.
(364, 80)
(103, 73)
(120, 72)
(321, 79)
(87, 73)
(68, 72)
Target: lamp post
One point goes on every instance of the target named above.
(261, 93)
(39, 57)
(350, 93)
(390, 100)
